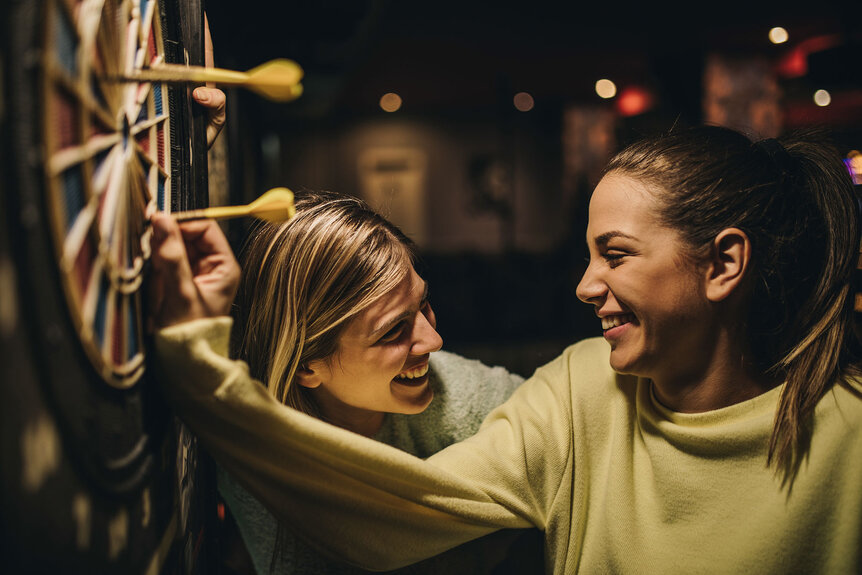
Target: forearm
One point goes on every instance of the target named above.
(354, 497)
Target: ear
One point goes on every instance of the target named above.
(730, 255)
(308, 376)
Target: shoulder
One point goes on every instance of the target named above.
(853, 385)
(581, 378)
(845, 400)
(591, 351)
(588, 359)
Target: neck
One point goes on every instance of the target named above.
(367, 424)
(358, 420)
(711, 393)
(724, 378)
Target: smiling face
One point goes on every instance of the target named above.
(382, 361)
(651, 302)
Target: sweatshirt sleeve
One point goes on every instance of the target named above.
(365, 502)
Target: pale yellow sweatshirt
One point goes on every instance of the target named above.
(618, 483)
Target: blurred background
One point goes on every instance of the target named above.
(481, 128)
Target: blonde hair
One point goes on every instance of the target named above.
(303, 280)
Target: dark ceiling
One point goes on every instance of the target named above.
(460, 54)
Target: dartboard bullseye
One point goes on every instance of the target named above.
(108, 168)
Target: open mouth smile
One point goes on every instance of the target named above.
(413, 373)
(612, 321)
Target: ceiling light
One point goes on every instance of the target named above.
(523, 102)
(778, 35)
(822, 98)
(390, 102)
(606, 89)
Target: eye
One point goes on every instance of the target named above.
(614, 258)
(394, 333)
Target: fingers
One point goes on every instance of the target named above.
(172, 284)
(214, 268)
(169, 252)
(205, 238)
(214, 100)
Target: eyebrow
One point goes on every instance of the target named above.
(399, 318)
(603, 239)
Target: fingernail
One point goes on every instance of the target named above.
(202, 95)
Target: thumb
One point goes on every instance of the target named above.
(173, 281)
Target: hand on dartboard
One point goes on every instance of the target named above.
(210, 97)
(213, 100)
(194, 274)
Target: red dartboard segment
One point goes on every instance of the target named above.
(108, 168)
(66, 118)
(83, 270)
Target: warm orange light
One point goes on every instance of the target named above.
(606, 88)
(795, 63)
(634, 100)
(390, 102)
(523, 102)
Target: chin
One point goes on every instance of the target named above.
(621, 364)
(416, 404)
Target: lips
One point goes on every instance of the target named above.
(612, 321)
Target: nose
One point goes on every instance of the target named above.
(591, 289)
(425, 336)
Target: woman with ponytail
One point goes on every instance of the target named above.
(716, 427)
(791, 206)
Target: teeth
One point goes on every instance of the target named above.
(414, 373)
(616, 320)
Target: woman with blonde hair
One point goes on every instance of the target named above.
(332, 317)
(715, 427)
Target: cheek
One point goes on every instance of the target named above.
(383, 362)
(678, 299)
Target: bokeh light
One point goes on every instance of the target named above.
(634, 100)
(606, 88)
(523, 102)
(822, 98)
(390, 102)
(778, 35)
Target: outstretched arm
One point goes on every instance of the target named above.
(350, 496)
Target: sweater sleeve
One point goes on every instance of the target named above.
(368, 503)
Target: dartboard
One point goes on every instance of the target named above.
(89, 153)
(107, 148)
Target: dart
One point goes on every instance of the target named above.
(275, 206)
(276, 80)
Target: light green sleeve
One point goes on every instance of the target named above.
(355, 498)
